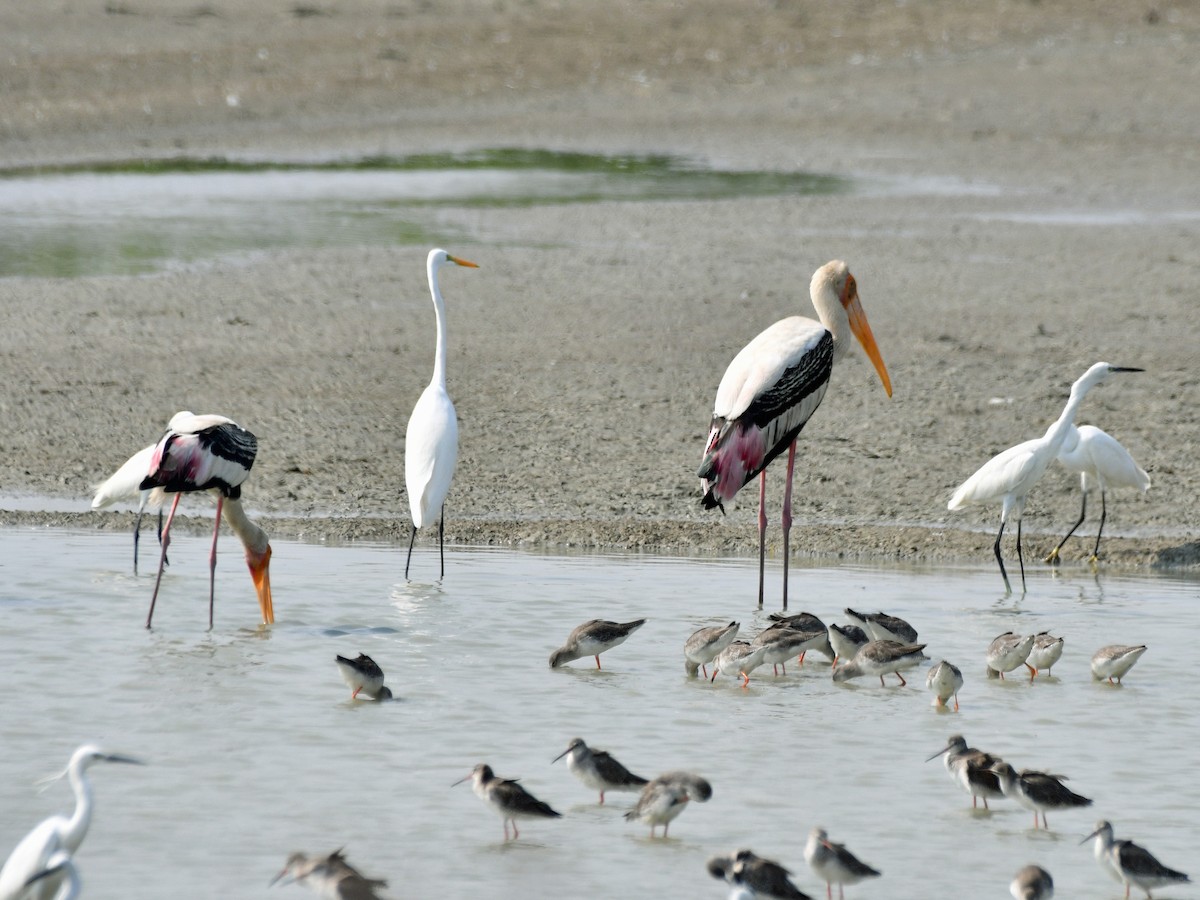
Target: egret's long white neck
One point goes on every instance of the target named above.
(439, 358)
(253, 538)
(78, 824)
(1056, 434)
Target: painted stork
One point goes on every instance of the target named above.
(772, 388)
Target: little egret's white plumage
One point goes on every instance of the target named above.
(60, 866)
(211, 453)
(38, 850)
(125, 484)
(771, 389)
(1011, 475)
(431, 440)
(1102, 463)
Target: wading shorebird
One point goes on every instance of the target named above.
(1009, 651)
(1115, 660)
(881, 658)
(705, 645)
(1046, 651)
(764, 877)
(1131, 863)
(834, 864)
(971, 769)
(1037, 791)
(1032, 883)
(363, 675)
(944, 680)
(599, 769)
(330, 876)
(593, 638)
(508, 799)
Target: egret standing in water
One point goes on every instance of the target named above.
(1102, 463)
(1011, 475)
(39, 850)
(771, 389)
(431, 440)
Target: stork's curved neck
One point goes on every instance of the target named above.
(832, 315)
(253, 538)
(439, 358)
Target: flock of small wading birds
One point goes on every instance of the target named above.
(767, 395)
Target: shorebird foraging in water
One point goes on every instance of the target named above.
(330, 876)
(944, 680)
(771, 389)
(882, 627)
(834, 864)
(1032, 883)
(507, 798)
(592, 638)
(881, 658)
(1011, 475)
(663, 798)
(804, 621)
(846, 641)
(55, 834)
(782, 643)
(1115, 660)
(1008, 651)
(972, 769)
(1038, 791)
(598, 769)
(1046, 651)
(1130, 862)
(362, 675)
(739, 657)
(705, 644)
(764, 877)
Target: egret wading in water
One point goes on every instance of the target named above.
(125, 484)
(431, 440)
(39, 850)
(1102, 463)
(772, 388)
(211, 453)
(1011, 475)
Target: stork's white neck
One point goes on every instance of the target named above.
(253, 538)
(827, 301)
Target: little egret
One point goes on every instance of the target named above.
(38, 851)
(1011, 475)
(1102, 463)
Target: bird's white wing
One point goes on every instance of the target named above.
(125, 483)
(1003, 474)
(761, 363)
(1110, 461)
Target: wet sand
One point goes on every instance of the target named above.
(1034, 210)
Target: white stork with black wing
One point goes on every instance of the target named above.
(772, 388)
(211, 453)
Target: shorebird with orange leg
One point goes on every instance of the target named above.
(881, 658)
(593, 638)
(1115, 660)
(1009, 651)
(507, 798)
(944, 680)
(363, 675)
(705, 645)
(1038, 791)
(1131, 863)
(599, 769)
(971, 769)
(834, 864)
(769, 392)
(1046, 651)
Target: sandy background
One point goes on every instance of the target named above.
(586, 350)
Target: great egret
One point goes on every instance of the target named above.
(211, 453)
(1032, 883)
(62, 866)
(592, 638)
(1102, 463)
(125, 484)
(1038, 791)
(431, 439)
(330, 876)
(37, 851)
(509, 800)
(1130, 862)
(771, 389)
(599, 769)
(834, 864)
(1011, 475)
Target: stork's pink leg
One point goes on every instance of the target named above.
(787, 518)
(762, 533)
(166, 542)
(212, 563)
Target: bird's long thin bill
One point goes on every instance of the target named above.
(936, 755)
(261, 575)
(462, 262)
(561, 755)
(461, 780)
(862, 330)
(1090, 836)
(116, 757)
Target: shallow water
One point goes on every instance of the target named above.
(254, 748)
